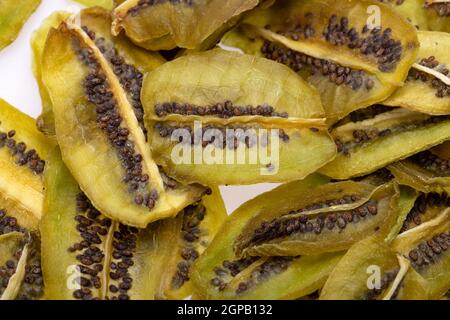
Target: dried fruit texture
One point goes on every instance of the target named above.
(13, 14)
(370, 270)
(351, 63)
(248, 153)
(163, 25)
(220, 274)
(427, 206)
(424, 14)
(367, 144)
(20, 267)
(182, 241)
(88, 256)
(23, 150)
(99, 134)
(427, 88)
(328, 218)
(217, 88)
(130, 63)
(426, 247)
(107, 4)
(426, 171)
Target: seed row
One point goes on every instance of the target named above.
(227, 141)
(148, 3)
(335, 73)
(191, 232)
(221, 109)
(19, 151)
(362, 137)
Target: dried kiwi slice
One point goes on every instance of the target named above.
(220, 274)
(224, 87)
(427, 206)
(13, 14)
(163, 25)
(328, 218)
(329, 43)
(427, 248)
(99, 134)
(427, 88)
(433, 15)
(86, 255)
(239, 153)
(20, 267)
(426, 171)
(45, 121)
(23, 150)
(129, 62)
(367, 144)
(370, 270)
(183, 239)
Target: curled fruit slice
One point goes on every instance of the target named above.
(426, 207)
(433, 15)
(328, 218)
(45, 121)
(427, 88)
(370, 270)
(20, 267)
(13, 14)
(23, 150)
(427, 248)
(107, 4)
(226, 87)
(220, 274)
(333, 46)
(367, 144)
(183, 239)
(85, 255)
(129, 62)
(162, 25)
(239, 153)
(99, 134)
(426, 171)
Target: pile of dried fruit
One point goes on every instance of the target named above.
(104, 195)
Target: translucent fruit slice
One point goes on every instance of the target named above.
(370, 270)
(427, 88)
(13, 15)
(369, 144)
(220, 274)
(427, 171)
(165, 25)
(427, 248)
(239, 153)
(327, 218)
(219, 86)
(23, 151)
(107, 4)
(335, 47)
(21, 276)
(183, 240)
(129, 62)
(99, 134)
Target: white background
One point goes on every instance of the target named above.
(18, 87)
